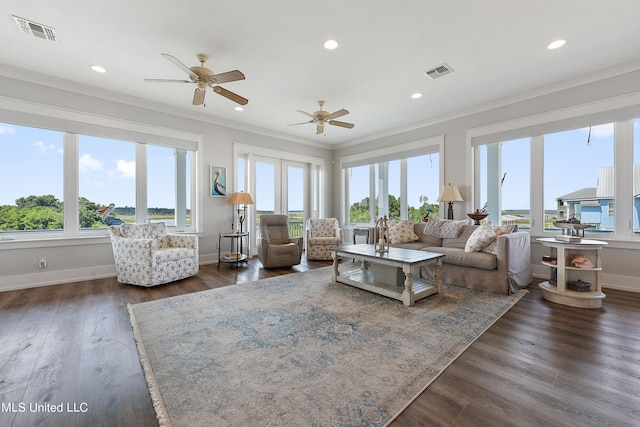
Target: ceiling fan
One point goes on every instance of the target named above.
(204, 78)
(322, 117)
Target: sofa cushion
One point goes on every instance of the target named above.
(401, 231)
(444, 228)
(492, 247)
(460, 241)
(480, 238)
(457, 256)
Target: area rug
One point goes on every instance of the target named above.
(299, 350)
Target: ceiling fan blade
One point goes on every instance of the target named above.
(341, 124)
(230, 95)
(198, 96)
(320, 128)
(167, 81)
(306, 114)
(302, 123)
(337, 114)
(180, 65)
(229, 76)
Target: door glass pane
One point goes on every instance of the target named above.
(265, 186)
(423, 182)
(107, 175)
(31, 180)
(578, 177)
(295, 200)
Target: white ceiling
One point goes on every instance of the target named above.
(497, 49)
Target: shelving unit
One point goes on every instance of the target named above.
(238, 248)
(564, 252)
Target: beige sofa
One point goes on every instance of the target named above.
(504, 272)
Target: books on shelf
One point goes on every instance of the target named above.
(567, 238)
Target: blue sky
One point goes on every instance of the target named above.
(32, 165)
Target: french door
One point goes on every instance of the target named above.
(282, 187)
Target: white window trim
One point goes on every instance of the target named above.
(618, 110)
(25, 113)
(430, 145)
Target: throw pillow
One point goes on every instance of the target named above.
(401, 231)
(480, 238)
(492, 248)
(444, 228)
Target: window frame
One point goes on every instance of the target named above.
(621, 112)
(73, 123)
(433, 145)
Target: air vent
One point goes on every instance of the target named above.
(36, 30)
(439, 71)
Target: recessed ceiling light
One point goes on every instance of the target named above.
(239, 108)
(98, 69)
(556, 44)
(416, 95)
(330, 44)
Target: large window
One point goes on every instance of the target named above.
(31, 180)
(403, 187)
(504, 173)
(61, 182)
(584, 174)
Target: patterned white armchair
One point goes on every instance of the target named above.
(146, 255)
(322, 234)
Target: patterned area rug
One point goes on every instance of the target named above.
(298, 350)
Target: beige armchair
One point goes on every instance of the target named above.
(322, 234)
(275, 248)
(146, 255)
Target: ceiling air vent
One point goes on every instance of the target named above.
(36, 30)
(439, 71)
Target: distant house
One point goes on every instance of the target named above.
(595, 206)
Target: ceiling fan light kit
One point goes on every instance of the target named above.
(204, 78)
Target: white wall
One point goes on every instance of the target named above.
(80, 259)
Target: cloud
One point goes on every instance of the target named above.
(127, 169)
(600, 131)
(6, 129)
(42, 147)
(88, 163)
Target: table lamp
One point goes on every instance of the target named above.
(244, 199)
(450, 193)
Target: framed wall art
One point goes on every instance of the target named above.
(218, 181)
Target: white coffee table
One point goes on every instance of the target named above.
(391, 264)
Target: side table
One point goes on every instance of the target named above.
(238, 250)
(361, 231)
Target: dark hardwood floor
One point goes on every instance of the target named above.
(541, 364)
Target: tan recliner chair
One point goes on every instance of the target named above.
(275, 248)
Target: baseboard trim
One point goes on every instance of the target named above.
(56, 277)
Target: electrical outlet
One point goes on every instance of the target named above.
(42, 263)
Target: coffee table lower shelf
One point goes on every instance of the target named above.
(363, 279)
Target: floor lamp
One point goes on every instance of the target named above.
(450, 193)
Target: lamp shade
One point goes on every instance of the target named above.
(450, 193)
(241, 198)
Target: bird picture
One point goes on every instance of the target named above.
(106, 215)
(218, 185)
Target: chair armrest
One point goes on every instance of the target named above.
(189, 241)
(298, 241)
(514, 252)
